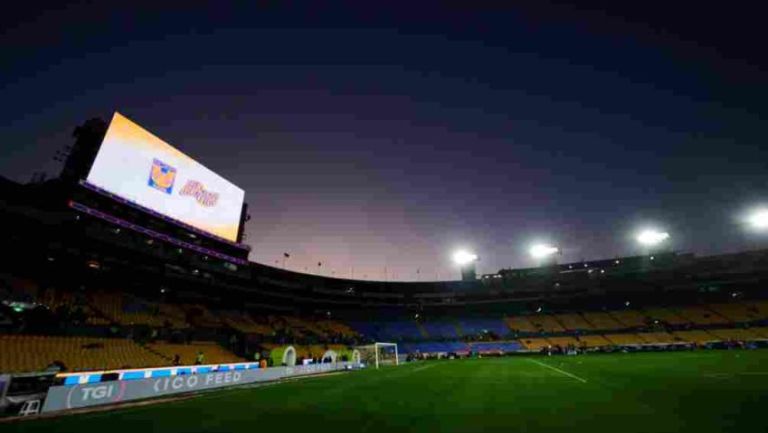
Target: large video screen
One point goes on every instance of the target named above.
(137, 166)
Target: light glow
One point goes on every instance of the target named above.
(540, 251)
(463, 257)
(652, 237)
(759, 219)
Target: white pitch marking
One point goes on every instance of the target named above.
(423, 367)
(572, 376)
(747, 373)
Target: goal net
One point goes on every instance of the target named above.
(379, 354)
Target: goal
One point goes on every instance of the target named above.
(379, 354)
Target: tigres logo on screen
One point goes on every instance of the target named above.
(197, 190)
(162, 176)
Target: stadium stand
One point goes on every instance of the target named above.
(535, 343)
(214, 354)
(520, 324)
(572, 321)
(735, 312)
(200, 316)
(602, 321)
(624, 339)
(657, 337)
(760, 308)
(440, 329)
(244, 323)
(480, 326)
(593, 341)
(336, 327)
(496, 346)
(760, 331)
(22, 353)
(735, 334)
(295, 326)
(545, 323)
(697, 336)
(667, 316)
(129, 310)
(397, 330)
(629, 318)
(701, 316)
(563, 341)
(173, 316)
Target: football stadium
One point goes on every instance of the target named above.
(129, 303)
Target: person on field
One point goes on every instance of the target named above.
(200, 358)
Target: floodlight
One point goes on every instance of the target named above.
(651, 237)
(540, 251)
(463, 257)
(759, 219)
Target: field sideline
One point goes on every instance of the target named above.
(699, 391)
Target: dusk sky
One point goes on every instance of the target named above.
(373, 137)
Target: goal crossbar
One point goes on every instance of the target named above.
(378, 349)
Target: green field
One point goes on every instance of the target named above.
(649, 392)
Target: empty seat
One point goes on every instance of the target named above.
(33, 353)
(593, 341)
(573, 321)
(624, 339)
(603, 321)
(520, 324)
(629, 318)
(701, 316)
(214, 353)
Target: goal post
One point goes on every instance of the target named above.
(379, 354)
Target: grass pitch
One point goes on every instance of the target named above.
(649, 392)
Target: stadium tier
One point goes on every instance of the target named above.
(699, 337)
(474, 326)
(495, 347)
(629, 318)
(702, 315)
(22, 353)
(736, 312)
(602, 320)
(520, 324)
(666, 315)
(440, 329)
(536, 344)
(545, 323)
(593, 341)
(572, 322)
(624, 339)
(212, 352)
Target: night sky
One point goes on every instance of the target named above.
(373, 137)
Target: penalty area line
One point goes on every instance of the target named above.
(563, 372)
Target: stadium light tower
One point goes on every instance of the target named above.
(466, 261)
(651, 238)
(758, 220)
(543, 251)
(463, 257)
